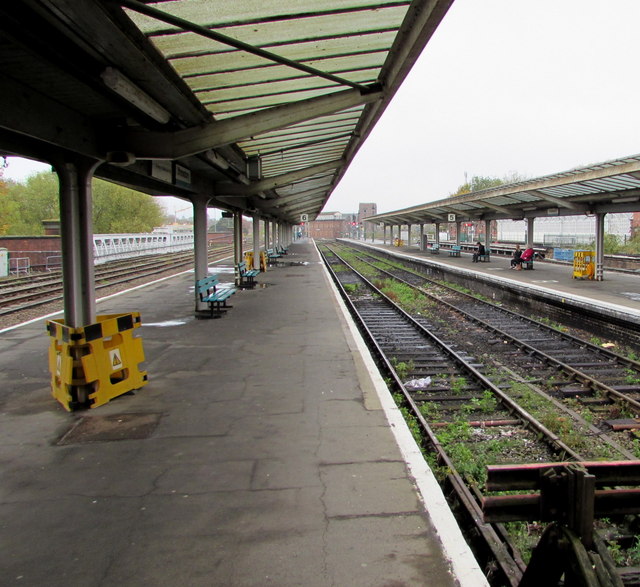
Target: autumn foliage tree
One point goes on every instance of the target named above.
(115, 209)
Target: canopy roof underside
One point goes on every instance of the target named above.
(611, 186)
(264, 104)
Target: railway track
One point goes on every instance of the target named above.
(22, 294)
(465, 410)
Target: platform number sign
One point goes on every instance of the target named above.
(451, 218)
(304, 218)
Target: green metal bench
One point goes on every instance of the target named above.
(246, 277)
(454, 251)
(435, 249)
(210, 292)
(272, 257)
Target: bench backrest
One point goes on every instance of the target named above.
(456, 247)
(242, 267)
(205, 285)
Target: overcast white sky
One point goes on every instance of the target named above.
(526, 86)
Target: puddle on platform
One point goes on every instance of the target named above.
(110, 428)
(166, 323)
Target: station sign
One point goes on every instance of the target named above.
(183, 176)
(304, 218)
(451, 217)
(162, 170)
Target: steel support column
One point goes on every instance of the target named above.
(437, 235)
(76, 235)
(237, 237)
(530, 223)
(421, 243)
(599, 246)
(458, 227)
(200, 244)
(487, 233)
(384, 234)
(256, 242)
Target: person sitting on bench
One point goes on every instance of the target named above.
(517, 255)
(526, 257)
(480, 252)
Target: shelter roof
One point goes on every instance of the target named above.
(263, 105)
(611, 186)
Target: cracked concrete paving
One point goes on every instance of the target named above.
(267, 464)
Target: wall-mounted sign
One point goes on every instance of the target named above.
(304, 218)
(183, 176)
(162, 170)
(451, 217)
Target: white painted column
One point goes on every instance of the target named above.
(599, 260)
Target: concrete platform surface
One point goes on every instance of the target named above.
(265, 450)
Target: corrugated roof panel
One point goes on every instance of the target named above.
(309, 52)
(226, 13)
(273, 33)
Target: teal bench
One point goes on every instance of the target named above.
(281, 250)
(435, 249)
(246, 277)
(211, 292)
(454, 251)
(486, 258)
(272, 257)
(527, 264)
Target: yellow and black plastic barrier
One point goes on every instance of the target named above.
(248, 259)
(584, 264)
(91, 365)
(263, 261)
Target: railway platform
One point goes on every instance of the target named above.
(265, 450)
(617, 295)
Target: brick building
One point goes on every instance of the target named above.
(331, 225)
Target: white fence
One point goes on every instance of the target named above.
(108, 247)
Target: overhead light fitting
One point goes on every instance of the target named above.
(625, 200)
(216, 159)
(125, 88)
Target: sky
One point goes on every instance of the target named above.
(531, 87)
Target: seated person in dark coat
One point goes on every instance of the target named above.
(517, 255)
(479, 251)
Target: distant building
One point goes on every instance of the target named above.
(331, 225)
(365, 210)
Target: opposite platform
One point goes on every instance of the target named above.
(260, 453)
(618, 295)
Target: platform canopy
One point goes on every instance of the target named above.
(611, 186)
(262, 105)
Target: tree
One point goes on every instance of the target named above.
(476, 184)
(479, 182)
(115, 208)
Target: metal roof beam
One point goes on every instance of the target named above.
(501, 209)
(557, 201)
(190, 141)
(271, 183)
(296, 197)
(301, 206)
